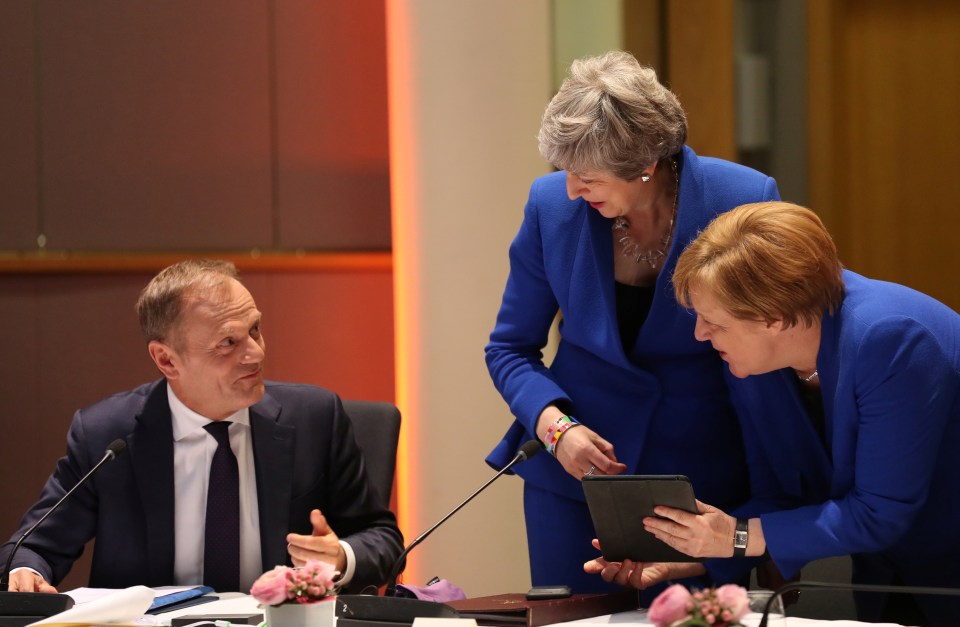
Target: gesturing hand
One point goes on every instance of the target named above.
(581, 448)
(323, 544)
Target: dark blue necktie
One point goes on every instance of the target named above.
(221, 547)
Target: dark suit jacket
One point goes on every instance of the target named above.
(305, 457)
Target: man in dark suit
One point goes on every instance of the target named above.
(296, 485)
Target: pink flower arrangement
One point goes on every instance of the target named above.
(714, 607)
(309, 584)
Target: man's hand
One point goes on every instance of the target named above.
(640, 575)
(322, 545)
(25, 580)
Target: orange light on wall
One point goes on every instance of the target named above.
(404, 176)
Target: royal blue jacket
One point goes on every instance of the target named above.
(884, 484)
(664, 405)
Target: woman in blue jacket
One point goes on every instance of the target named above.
(849, 398)
(630, 389)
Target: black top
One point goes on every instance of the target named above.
(633, 307)
(813, 403)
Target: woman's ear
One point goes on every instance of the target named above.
(776, 326)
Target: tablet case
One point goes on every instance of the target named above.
(619, 503)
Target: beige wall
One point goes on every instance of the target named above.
(468, 84)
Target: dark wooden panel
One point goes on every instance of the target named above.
(334, 330)
(700, 66)
(155, 124)
(332, 173)
(18, 132)
(885, 137)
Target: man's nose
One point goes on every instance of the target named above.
(254, 352)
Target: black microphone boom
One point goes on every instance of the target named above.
(528, 450)
(40, 605)
(373, 611)
(852, 587)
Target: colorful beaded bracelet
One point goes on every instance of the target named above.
(556, 430)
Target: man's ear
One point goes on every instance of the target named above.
(164, 357)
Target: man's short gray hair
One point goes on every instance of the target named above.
(160, 305)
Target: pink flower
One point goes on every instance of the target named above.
(272, 586)
(733, 598)
(283, 584)
(670, 606)
(320, 574)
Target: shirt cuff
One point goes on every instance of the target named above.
(347, 575)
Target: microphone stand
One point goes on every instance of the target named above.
(395, 573)
(852, 587)
(357, 610)
(21, 608)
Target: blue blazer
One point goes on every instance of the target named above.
(305, 457)
(885, 484)
(664, 403)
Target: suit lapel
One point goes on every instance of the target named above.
(591, 287)
(273, 458)
(151, 453)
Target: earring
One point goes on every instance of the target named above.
(645, 177)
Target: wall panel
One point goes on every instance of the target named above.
(700, 72)
(155, 124)
(332, 173)
(18, 130)
(885, 137)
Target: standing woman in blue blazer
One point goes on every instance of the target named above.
(630, 389)
(849, 396)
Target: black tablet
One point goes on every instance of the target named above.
(619, 503)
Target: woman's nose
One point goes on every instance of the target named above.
(575, 186)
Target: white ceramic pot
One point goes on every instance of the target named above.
(319, 614)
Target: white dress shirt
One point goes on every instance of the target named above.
(193, 450)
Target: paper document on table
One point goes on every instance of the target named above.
(120, 606)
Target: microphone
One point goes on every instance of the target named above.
(365, 610)
(852, 587)
(41, 604)
(528, 450)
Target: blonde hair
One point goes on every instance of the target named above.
(764, 261)
(611, 115)
(161, 302)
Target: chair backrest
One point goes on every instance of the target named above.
(376, 426)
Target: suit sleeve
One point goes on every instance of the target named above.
(903, 397)
(56, 544)
(762, 428)
(354, 513)
(514, 354)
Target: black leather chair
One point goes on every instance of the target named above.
(376, 426)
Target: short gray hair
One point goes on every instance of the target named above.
(611, 115)
(160, 305)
